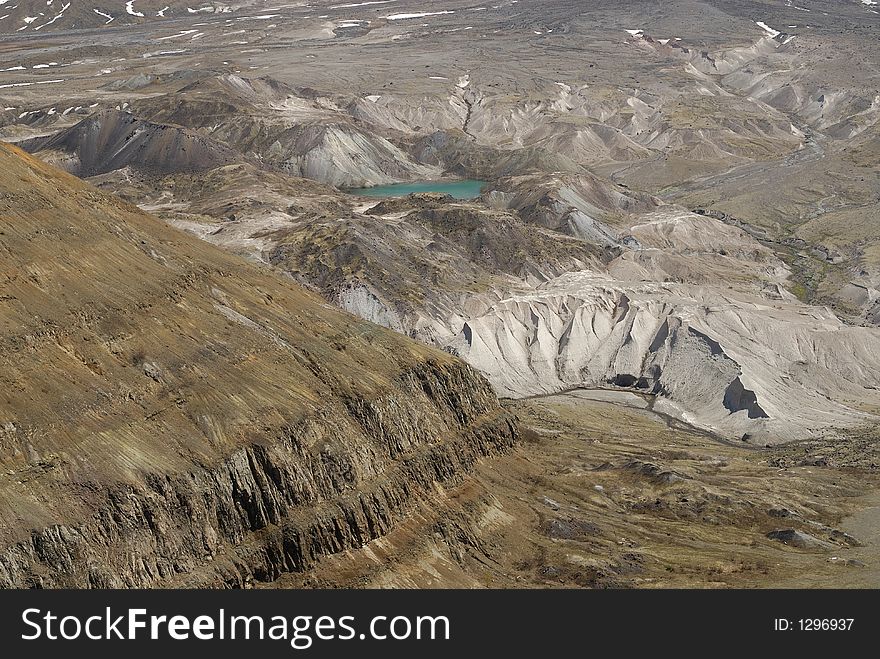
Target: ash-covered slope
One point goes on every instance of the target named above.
(575, 204)
(173, 415)
(300, 131)
(113, 139)
(744, 359)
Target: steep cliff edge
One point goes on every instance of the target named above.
(171, 415)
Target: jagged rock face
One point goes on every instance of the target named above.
(173, 415)
(766, 370)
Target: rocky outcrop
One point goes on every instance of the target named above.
(315, 488)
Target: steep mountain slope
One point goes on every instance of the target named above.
(173, 415)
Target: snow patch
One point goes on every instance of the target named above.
(400, 17)
(362, 4)
(769, 30)
(178, 35)
(129, 9)
(28, 84)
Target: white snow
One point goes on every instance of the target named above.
(54, 18)
(634, 32)
(176, 36)
(372, 98)
(164, 52)
(362, 4)
(28, 84)
(101, 13)
(400, 17)
(768, 29)
(45, 66)
(161, 12)
(129, 9)
(14, 68)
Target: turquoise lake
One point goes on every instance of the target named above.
(466, 189)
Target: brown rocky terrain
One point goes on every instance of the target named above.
(603, 492)
(678, 207)
(174, 415)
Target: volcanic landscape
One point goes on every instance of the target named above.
(625, 332)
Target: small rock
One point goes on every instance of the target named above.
(569, 529)
(551, 503)
(152, 371)
(846, 538)
(799, 539)
(780, 512)
(598, 488)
